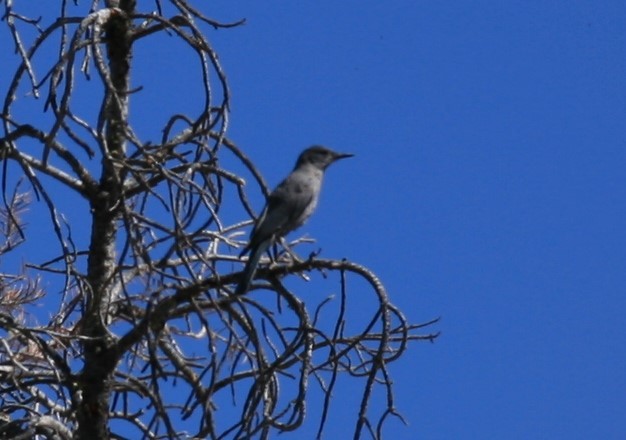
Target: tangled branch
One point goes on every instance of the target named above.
(147, 336)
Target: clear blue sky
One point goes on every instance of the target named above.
(488, 188)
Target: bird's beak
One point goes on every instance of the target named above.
(343, 155)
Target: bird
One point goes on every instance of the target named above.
(288, 206)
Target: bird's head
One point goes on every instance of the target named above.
(320, 157)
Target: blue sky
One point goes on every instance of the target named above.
(487, 188)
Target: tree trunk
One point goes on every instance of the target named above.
(100, 354)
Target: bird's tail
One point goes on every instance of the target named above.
(251, 266)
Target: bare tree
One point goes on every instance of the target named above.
(142, 336)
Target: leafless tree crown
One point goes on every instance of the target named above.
(117, 313)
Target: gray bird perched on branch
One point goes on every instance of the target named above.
(288, 206)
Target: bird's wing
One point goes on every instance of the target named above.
(286, 209)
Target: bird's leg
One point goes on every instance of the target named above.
(287, 251)
(314, 254)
